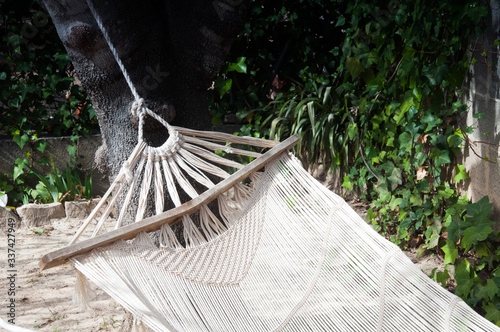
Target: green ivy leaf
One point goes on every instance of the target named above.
(62, 60)
(388, 167)
(355, 67)
(482, 250)
(431, 120)
(407, 61)
(352, 130)
(404, 108)
(21, 164)
(395, 202)
(440, 73)
(405, 142)
(481, 208)
(41, 145)
(347, 183)
(21, 140)
(474, 234)
(395, 176)
(39, 231)
(72, 151)
(463, 278)
(476, 13)
(412, 128)
(461, 174)
(442, 277)
(222, 85)
(433, 240)
(454, 230)
(238, 66)
(493, 312)
(488, 291)
(440, 156)
(17, 172)
(450, 252)
(340, 21)
(454, 141)
(445, 193)
(370, 214)
(384, 196)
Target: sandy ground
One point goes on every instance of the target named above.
(44, 298)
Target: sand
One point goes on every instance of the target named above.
(43, 299)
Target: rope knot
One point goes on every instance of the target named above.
(138, 107)
(127, 171)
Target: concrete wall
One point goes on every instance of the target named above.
(56, 150)
(483, 96)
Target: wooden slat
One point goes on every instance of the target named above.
(211, 157)
(154, 223)
(264, 143)
(216, 147)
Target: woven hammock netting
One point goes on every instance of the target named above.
(281, 253)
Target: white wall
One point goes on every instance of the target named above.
(483, 96)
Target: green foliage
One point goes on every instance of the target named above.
(286, 46)
(38, 91)
(472, 252)
(58, 186)
(39, 231)
(373, 88)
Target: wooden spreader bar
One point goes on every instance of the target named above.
(60, 256)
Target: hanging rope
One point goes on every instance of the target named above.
(113, 50)
(139, 107)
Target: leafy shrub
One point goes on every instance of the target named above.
(39, 94)
(373, 88)
(472, 255)
(58, 186)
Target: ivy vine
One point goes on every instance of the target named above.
(374, 89)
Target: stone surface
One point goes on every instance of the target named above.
(5, 216)
(80, 209)
(34, 215)
(57, 153)
(482, 95)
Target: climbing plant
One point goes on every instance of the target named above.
(374, 89)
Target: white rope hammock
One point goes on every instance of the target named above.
(279, 252)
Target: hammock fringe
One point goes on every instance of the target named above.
(82, 293)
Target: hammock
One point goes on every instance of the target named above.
(287, 254)
(261, 250)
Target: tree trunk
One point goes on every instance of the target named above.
(171, 49)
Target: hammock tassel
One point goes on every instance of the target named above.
(82, 293)
(255, 178)
(144, 240)
(210, 224)
(225, 209)
(168, 238)
(138, 325)
(192, 234)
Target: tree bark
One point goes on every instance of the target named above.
(171, 49)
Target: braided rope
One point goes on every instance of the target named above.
(113, 50)
(139, 107)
